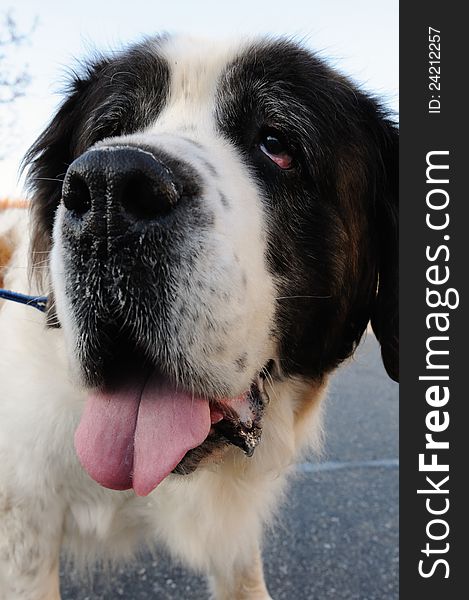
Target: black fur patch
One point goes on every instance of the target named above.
(333, 216)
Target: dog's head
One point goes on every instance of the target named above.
(214, 216)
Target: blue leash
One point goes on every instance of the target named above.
(38, 302)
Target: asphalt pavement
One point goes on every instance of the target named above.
(337, 534)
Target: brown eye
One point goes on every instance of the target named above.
(273, 146)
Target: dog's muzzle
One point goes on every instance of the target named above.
(135, 255)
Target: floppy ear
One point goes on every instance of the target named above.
(385, 311)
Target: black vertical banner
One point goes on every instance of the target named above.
(434, 271)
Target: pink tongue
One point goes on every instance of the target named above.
(133, 439)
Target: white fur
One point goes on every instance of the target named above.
(213, 518)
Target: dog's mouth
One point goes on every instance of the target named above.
(134, 436)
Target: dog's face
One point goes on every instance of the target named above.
(225, 216)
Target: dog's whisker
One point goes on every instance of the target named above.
(270, 379)
(305, 296)
(54, 322)
(42, 261)
(46, 179)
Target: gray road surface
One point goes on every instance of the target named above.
(337, 535)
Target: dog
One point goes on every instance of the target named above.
(214, 226)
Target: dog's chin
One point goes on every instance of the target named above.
(140, 425)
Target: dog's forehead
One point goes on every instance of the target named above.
(196, 63)
(196, 68)
(199, 67)
(213, 82)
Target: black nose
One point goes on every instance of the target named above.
(120, 178)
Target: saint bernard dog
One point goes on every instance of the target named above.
(214, 226)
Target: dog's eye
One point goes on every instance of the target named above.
(274, 146)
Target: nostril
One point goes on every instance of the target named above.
(117, 182)
(76, 195)
(147, 198)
